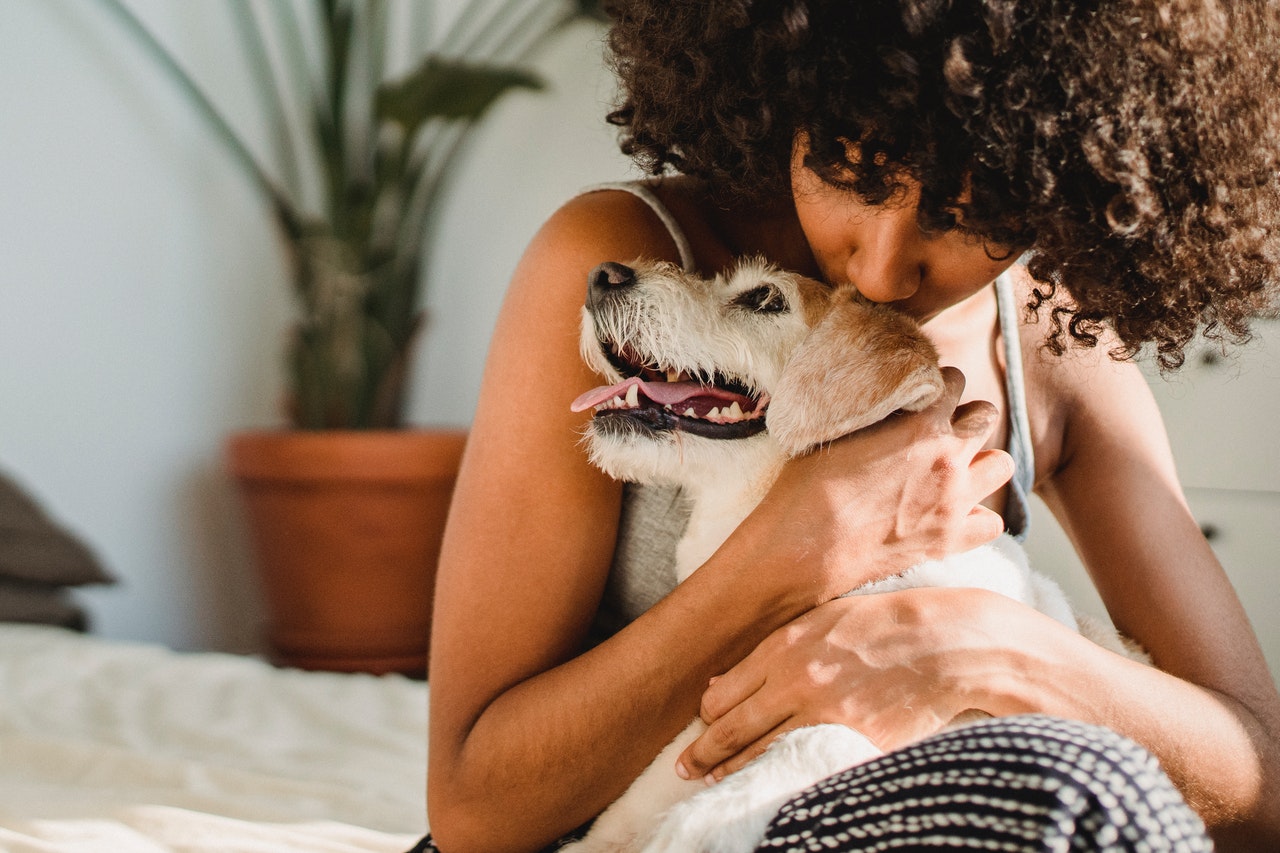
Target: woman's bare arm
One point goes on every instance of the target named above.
(1212, 714)
(899, 665)
(529, 543)
(529, 736)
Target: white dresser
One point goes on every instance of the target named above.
(1223, 417)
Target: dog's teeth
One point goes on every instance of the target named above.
(734, 411)
(714, 413)
(633, 397)
(673, 375)
(617, 402)
(689, 413)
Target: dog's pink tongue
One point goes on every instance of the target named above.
(662, 393)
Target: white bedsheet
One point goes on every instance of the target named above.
(120, 747)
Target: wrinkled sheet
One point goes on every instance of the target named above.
(123, 747)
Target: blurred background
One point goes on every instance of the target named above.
(143, 297)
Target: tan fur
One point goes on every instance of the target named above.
(884, 364)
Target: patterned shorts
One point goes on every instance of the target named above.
(1020, 784)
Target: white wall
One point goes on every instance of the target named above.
(143, 297)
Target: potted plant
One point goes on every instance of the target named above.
(346, 506)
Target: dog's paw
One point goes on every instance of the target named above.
(732, 816)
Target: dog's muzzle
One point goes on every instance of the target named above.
(663, 406)
(654, 399)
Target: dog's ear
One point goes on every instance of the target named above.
(861, 363)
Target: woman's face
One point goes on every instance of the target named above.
(881, 250)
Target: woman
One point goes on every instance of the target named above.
(913, 149)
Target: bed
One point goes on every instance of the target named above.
(123, 747)
(109, 746)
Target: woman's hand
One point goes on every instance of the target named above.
(890, 496)
(895, 666)
(866, 507)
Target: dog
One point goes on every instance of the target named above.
(712, 384)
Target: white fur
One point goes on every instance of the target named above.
(817, 362)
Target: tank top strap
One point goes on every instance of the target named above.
(1017, 516)
(643, 192)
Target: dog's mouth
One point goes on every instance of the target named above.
(660, 398)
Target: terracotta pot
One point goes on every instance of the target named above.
(347, 528)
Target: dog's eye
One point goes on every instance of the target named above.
(765, 299)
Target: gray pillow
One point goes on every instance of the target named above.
(34, 549)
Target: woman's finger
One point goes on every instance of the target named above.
(728, 691)
(982, 526)
(738, 729)
(751, 752)
(990, 470)
(975, 419)
(940, 413)
(952, 388)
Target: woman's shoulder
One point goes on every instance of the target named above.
(625, 219)
(687, 218)
(1078, 364)
(1066, 392)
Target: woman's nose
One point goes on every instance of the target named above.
(887, 263)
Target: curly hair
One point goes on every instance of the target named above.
(1128, 145)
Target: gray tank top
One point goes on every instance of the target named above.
(654, 517)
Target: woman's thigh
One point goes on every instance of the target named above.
(1025, 783)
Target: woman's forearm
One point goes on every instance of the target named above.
(549, 737)
(600, 717)
(1220, 752)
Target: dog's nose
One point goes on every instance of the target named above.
(610, 274)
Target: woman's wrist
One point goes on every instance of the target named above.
(802, 564)
(1020, 661)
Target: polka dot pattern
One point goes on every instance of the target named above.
(1029, 783)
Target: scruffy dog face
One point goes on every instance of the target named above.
(697, 367)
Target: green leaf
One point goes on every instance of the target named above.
(448, 89)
